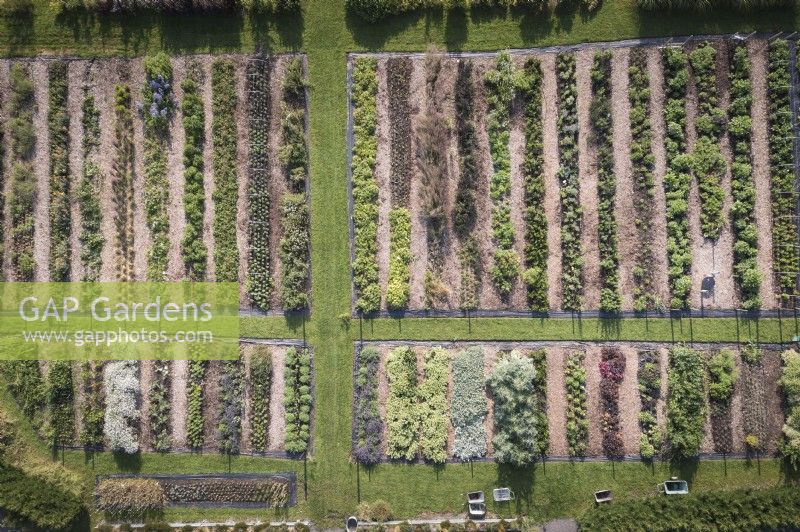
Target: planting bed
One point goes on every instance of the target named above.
(590, 401)
(631, 179)
(159, 168)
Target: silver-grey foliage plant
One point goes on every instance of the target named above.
(468, 405)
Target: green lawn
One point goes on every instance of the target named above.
(327, 33)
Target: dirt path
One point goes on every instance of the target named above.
(587, 170)
(594, 408)
(175, 169)
(179, 402)
(516, 142)
(141, 233)
(5, 168)
(418, 102)
(41, 168)
(761, 169)
(208, 164)
(277, 419)
(382, 170)
(76, 71)
(451, 271)
(624, 209)
(242, 158)
(660, 265)
(552, 194)
(277, 186)
(557, 401)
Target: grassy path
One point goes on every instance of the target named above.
(326, 33)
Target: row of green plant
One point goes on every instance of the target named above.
(91, 237)
(231, 405)
(193, 249)
(364, 185)
(740, 129)
(402, 418)
(465, 212)
(512, 385)
(259, 279)
(642, 163)
(569, 184)
(577, 422)
(708, 164)
(28, 388)
(122, 183)
(60, 201)
(195, 435)
(539, 359)
(501, 87)
(22, 196)
(468, 404)
(157, 111)
(295, 250)
(297, 399)
(686, 402)
(603, 134)
(397, 291)
(775, 508)
(260, 386)
(790, 385)
(433, 407)
(432, 143)
(649, 379)
(226, 188)
(160, 406)
(535, 275)
(781, 157)
(722, 377)
(61, 402)
(93, 405)
(677, 179)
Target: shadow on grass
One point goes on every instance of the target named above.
(520, 480)
(20, 28)
(128, 463)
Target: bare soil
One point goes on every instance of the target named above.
(277, 186)
(516, 144)
(629, 403)
(76, 72)
(761, 169)
(5, 168)
(445, 94)
(41, 167)
(176, 181)
(277, 419)
(141, 232)
(557, 401)
(242, 157)
(587, 171)
(594, 408)
(179, 401)
(418, 101)
(552, 194)
(382, 171)
(208, 165)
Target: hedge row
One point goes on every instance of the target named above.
(194, 251)
(259, 279)
(539, 359)
(160, 407)
(512, 385)
(297, 399)
(577, 422)
(535, 275)
(642, 162)
(231, 401)
(295, 259)
(23, 182)
(465, 212)
(226, 190)
(402, 418)
(195, 436)
(501, 89)
(740, 128)
(60, 201)
(686, 404)
(468, 408)
(179, 6)
(781, 158)
(88, 194)
(707, 161)
(367, 423)
(61, 402)
(677, 180)
(649, 378)
(433, 406)
(122, 183)
(365, 187)
(790, 385)
(373, 10)
(569, 183)
(28, 387)
(260, 386)
(93, 407)
(612, 372)
(121, 383)
(705, 5)
(30, 500)
(768, 509)
(603, 130)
